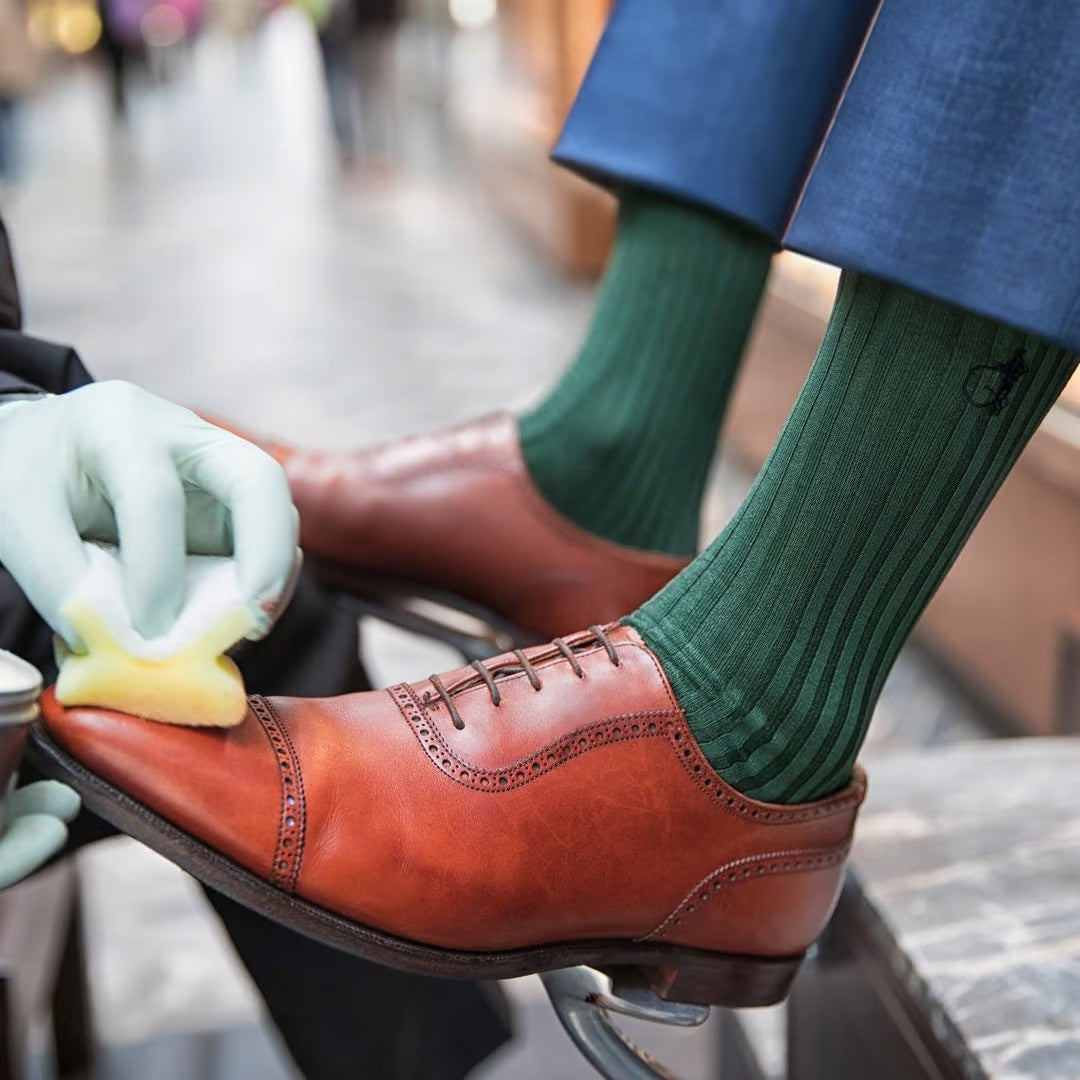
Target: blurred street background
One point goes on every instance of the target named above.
(335, 241)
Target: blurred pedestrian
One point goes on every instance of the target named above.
(122, 48)
(356, 43)
(19, 71)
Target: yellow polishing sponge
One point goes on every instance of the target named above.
(179, 678)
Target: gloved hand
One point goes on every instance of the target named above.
(112, 462)
(33, 822)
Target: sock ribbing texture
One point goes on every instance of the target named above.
(623, 444)
(777, 639)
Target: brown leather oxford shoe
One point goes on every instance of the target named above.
(455, 518)
(545, 809)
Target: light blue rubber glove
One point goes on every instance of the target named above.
(111, 462)
(33, 820)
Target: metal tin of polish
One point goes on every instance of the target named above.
(20, 688)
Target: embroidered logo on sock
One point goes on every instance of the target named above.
(988, 386)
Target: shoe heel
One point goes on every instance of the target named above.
(731, 982)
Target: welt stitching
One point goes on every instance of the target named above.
(800, 861)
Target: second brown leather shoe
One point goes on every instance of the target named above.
(546, 809)
(455, 518)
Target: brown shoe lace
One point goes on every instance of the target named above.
(489, 675)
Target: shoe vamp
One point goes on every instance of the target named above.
(604, 843)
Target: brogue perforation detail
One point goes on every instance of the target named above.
(292, 822)
(702, 773)
(749, 868)
(642, 725)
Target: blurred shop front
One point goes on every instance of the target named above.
(510, 110)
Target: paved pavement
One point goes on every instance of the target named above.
(213, 254)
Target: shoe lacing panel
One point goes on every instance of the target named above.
(487, 675)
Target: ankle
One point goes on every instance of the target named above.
(594, 478)
(766, 763)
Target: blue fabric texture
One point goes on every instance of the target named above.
(951, 166)
(720, 102)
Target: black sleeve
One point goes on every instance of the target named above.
(12, 384)
(28, 364)
(10, 305)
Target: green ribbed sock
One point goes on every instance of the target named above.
(623, 444)
(778, 637)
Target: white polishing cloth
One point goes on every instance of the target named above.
(212, 592)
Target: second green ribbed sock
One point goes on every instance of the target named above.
(623, 444)
(778, 637)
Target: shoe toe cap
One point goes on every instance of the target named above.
(219, 785)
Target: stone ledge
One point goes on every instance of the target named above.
(967, 866)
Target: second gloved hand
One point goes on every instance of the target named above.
(33, 827)
(111, 462)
